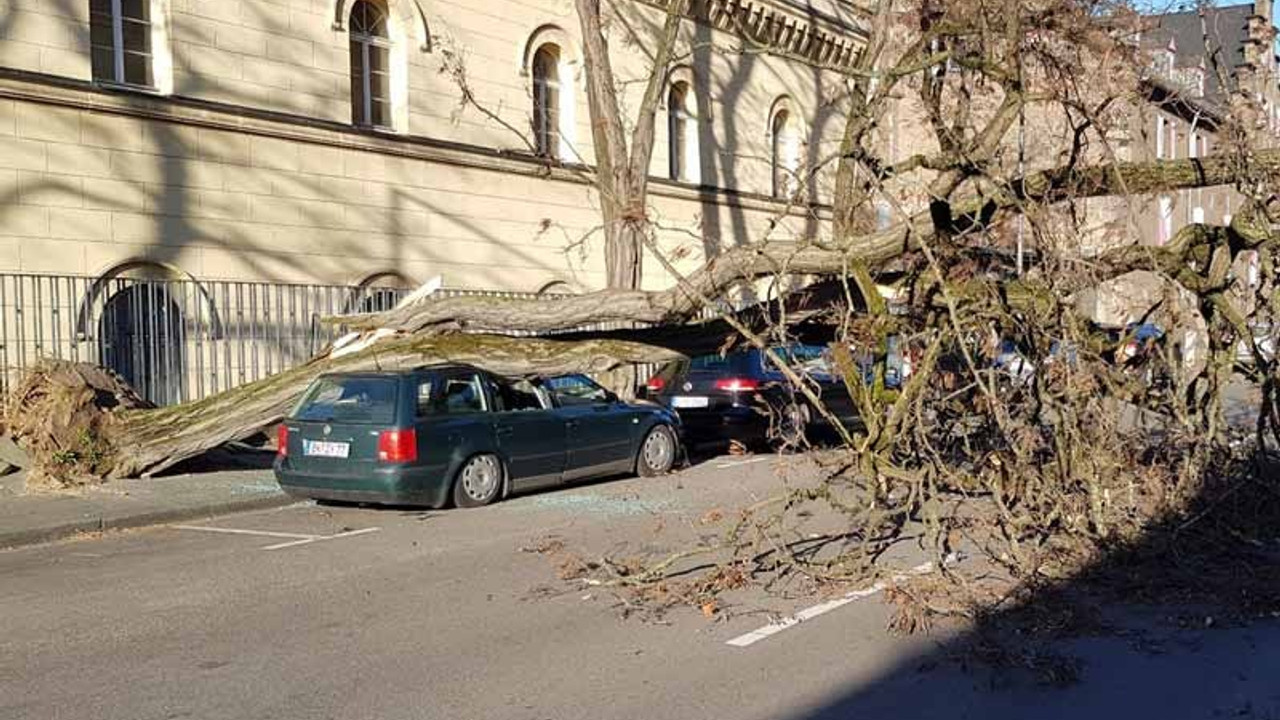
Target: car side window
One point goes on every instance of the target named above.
(423, 400)
(517, 395)
(459, 395)
(571, 390)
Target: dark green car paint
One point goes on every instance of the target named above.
(538, 448)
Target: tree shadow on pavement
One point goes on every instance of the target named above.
(1183, 622)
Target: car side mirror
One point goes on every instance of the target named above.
(611, 397)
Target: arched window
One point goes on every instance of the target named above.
(370, 65)
(379, 292)
(556, 288)
(682, 133)
(784, 154)
(546, 100)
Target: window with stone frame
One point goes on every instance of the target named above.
(785, 154)
(370, 65)
(682, 133)
(121, 43)
(546, 100)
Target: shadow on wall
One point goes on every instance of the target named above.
(1139, 634)
(720, 149)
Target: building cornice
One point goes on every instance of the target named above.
(785, 27)
(79, 95)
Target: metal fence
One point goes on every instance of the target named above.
(177, 340)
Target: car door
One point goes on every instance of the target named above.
(599, 430)
(454, 419)
(530, 435)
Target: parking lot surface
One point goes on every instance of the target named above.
(313, 611)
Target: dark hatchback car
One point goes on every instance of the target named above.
(742, 396)
(456, 434)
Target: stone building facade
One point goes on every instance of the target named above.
(325, 140)
(326, 143)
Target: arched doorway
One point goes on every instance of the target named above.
(379, 292)
(141, 336)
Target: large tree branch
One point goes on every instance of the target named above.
(747, 262)
(646, 128)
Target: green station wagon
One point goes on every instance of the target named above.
(456, 434)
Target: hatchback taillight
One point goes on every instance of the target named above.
(737, 384)
(282, 440)
(398, 445)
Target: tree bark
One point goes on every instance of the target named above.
(622, 169)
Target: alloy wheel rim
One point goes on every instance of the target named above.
(480, 478)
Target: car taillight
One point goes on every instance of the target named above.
(398, 445)
(737, 384)
(655, 384)
(282, 440)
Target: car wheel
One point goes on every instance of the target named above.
(479, 482)
(798, 418)
(657, 453)
(793, 424)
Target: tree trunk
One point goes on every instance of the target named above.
(88, 437)
(622, 168)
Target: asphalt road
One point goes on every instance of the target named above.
(354, 613)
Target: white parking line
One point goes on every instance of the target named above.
(235, 531)
(771, 629)
(321, 538)
(739, 463)
(294, 539)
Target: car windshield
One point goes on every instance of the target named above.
(359, 400)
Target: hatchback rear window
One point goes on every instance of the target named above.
(715, 363)
(359, 400)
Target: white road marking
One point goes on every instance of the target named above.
(739, 463)
(321, 538)
(235, 531)
(809, 613)
(293, 539)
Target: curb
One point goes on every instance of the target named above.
(104, 523)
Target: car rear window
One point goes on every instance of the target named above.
(715, 363)
(358, 400)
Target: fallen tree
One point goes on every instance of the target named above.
(81, 424)
(1075, 449)
(132, 442)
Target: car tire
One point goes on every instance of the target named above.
(798, 418)
(479, 481)
(657, 453)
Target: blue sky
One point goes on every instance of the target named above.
(1167, 5)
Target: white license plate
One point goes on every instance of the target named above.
(324, 448)
(690, 401)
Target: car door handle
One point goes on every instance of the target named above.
(571, 424)
(505, 431)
